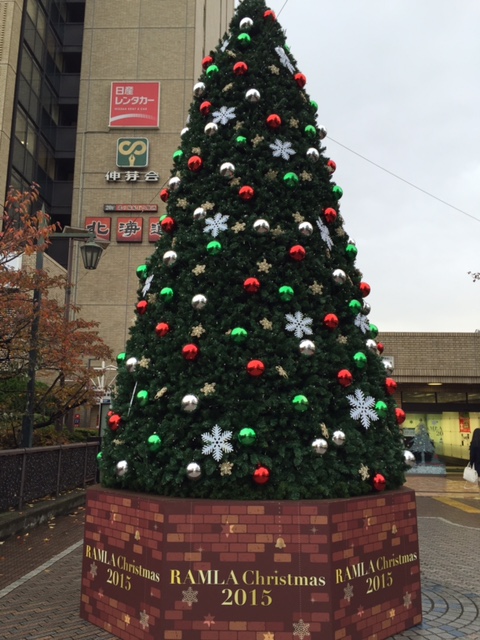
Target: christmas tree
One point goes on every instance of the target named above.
(252, 370)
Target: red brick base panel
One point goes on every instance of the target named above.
(171, 569)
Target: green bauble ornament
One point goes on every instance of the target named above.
(99, 456)
(314, 105)
(337, 192)
(286, 293)
(247, 436)
(355, 306)
(310, 131)
(241, 141)
(142, 397)
(166, 294)
(154, 443)
(142, 272)
(178, 156)
(291, 179)
(381, 409)
(244, 39)
(212, 70)
(300, 403)
(373, 330)
(214, 247)
(360, 360)
(239, 335)
(351, 250)
(121, 357)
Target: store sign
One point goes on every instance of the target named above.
(132, 152)
(132, 176)
(154, 229)
(101, 227)
(129, 229)
(134, 105)
(130, 208)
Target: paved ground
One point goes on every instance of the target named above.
(40, 571)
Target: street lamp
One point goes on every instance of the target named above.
(91, 251)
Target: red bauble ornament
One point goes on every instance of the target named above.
(300, 79)
(364, 289)
(207, 61)
(400, 415)
(168, 224)
(255, 368)
(379, 482)
(345, 378)
(252, 285)
(297, 253)
(164, 195)
(330, 215)
(261, 475)
(274, 121)
(240, 68)
(114, 421)
(331, 166)
(205, 108)
(246, 193)
(269, 14)
(195, 163)
(331, 321)
(390, 385)
(162, 329)
(142, 307)
(190, 352)
(380, 347)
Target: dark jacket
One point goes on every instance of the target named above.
(475, 451)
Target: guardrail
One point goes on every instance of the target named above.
(39, 472)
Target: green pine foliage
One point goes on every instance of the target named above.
(251, 436)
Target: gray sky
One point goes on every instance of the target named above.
(397, 81)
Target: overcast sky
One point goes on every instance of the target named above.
(398, 82)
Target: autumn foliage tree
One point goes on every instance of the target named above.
(27, 295)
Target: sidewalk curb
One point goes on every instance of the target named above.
(13, 522)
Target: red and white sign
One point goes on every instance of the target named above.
(129, 229)
(101, 227)
(135, 105)
(154, 229)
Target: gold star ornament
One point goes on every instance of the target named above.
(264, 266)
(316, 289)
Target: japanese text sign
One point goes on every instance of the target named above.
(135, 105)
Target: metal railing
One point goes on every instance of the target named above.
(40, 472)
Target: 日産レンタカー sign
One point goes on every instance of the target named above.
(134, 105)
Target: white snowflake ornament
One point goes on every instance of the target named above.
(224, 115)
(299, 324)
(282, 149)
(216, 443)
(362, 408)
(284, 59)
(325, 233)
(362, 322)
(216, 224)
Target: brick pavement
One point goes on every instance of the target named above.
(40, 588)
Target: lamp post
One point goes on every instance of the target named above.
(91, 252)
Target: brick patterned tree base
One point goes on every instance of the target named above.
(175, 569)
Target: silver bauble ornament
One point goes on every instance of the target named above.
(338, 438)
(388, 365)
(121, 468)
(211, 129)
(246, 23)
(307, 348)
(352, 241)
(199, 301)
(169, 258)
(174, 183)
(193, 471)
(199, 89)
(339, 276)
(227, 170)
(131, 364)
(313, 154)
(366, 308)
(409, 458)
(189, 403)
(252, 96)
(322, 132)
(320, 446)
(199, 213)
(184, 131)
(305, 228)
(372, 345)
(261, 226)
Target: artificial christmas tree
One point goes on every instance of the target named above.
(252, 373)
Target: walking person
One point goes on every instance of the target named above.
(475, 451)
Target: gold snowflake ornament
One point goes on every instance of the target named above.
(197, 151)
(306, 177)
(198, 331)
(271, 175)
(257, 140)
(275, 70)
(239, 226)
(227, 87)
(342, 340)
(294, 123)
(182, 203)
(364, 472)
(226, 468)
(208, 388)
(324, 429)
(199, 269)
(297, 216)
(281, 371)
(316, 289)
(266, 324)
(264, 266)
(144, 362)
(208, 206)
(161, 393)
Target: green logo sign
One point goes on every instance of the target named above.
(132, 152)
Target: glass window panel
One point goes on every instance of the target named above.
(32, 9)
(418, 396)
(36, 79)
(474, 396)
(26, 65)
(451, 396)
(21, 127)
(42, 25)
(31, 138)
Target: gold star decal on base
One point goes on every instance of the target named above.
(268, 636)
(294, 123)
(208, 389)
(239, 226)
(275, 70)
(126, 619)
(391, 614)
(208, 206)
(144, 362)
(198, 331)
(209, 620)
(266, 324)
(394, 529)
(297, 216)
(257, 140)
(301, 629)
(199, 269)
(348, 592)
(360, 611)
(264, 266)
(161, 393)
(182, 203)
(364, 472)
(190, 596)
(316, 289)
(226, 468)
(281, 371)
(137, 535)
